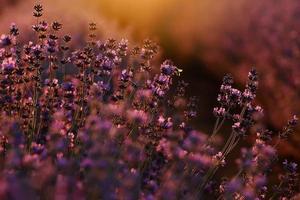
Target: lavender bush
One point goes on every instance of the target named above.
(97, 123)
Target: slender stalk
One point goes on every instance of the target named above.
(275, 193)
(230, 144)
(218, 125)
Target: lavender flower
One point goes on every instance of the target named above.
(115, 130)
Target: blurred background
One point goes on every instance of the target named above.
(206, 38)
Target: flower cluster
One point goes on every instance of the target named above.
(97, 123)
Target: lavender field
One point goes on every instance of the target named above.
(101, 103)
